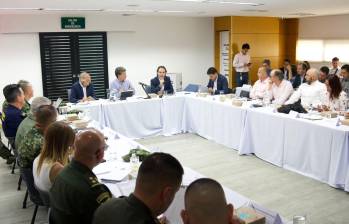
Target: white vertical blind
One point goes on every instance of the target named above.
(322, 50)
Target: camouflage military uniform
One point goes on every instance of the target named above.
(76, 194)
(30, 147)
(27, 124)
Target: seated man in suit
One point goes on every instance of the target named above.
(82, 90)
(161, 83)
(218, 83)
(299, 78)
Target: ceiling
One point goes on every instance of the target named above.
(197, 8)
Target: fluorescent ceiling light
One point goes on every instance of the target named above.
(170, 11)
(54, 9)
(220, 2)
(19, 8)
(129, 10)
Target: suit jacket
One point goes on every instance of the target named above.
(286, 73)
(155, 85)
(77, 93)
(297, 81)
(222, 84)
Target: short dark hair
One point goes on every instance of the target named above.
(307, 65)
(345, 67)
(202, 182)
(119, 70)
(157, 171)
(45, 114)
(278, 73)
(335, 59)
(287, 60)
(325, 70)
(161, 66)
(336, 87)
(246, 46)
(267, 61)
(11, 92)
(304, 65)
(211, 71)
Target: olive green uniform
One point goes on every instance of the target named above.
(76, 194)
(27, 124)
(29, 147)
(125, 210)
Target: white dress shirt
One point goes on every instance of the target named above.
(215, 85)
(83, 90)
(313, 94)
(239, 62)
(337, 104)
(279, 94)
(260, 89)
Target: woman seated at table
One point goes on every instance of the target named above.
(336, 99)
(161, 83)
(58, 143)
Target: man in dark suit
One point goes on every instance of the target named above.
(217, 82)
(82, 90)
(161, 83)
(300, 77)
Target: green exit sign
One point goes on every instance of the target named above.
(73, 22)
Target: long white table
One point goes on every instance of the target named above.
(318, 149)
(120, 145)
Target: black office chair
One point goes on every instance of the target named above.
(32, 192)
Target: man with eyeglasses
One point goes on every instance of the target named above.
(76, 192)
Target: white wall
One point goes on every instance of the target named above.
(138, 43)
(324, 28)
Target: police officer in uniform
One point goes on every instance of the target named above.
(159, 178)
(76, 192)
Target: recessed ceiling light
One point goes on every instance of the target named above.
(170, 11)
(54, 9)
(132, 5)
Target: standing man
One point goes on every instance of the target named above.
(82, 90)
(335, 70)
(218, 83)
(242, 64)
(121, 84)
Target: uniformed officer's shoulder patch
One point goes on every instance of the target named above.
(102, 193)
(93, 181)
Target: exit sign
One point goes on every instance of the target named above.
(73, 22)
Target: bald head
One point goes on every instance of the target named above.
(312, 75)
(205, 203)
(89, 147)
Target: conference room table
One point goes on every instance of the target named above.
(314, 148)
(115, 174)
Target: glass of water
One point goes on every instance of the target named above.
(299, 219)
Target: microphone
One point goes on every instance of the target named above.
(142, 84)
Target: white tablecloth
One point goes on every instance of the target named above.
(318, 149)
(214, 120)
(120, 145)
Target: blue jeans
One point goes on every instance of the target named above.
(241, 78)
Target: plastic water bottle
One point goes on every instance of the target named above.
(134, 160)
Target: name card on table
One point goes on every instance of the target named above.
(293, 114)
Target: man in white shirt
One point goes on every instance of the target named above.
(312, 93)
(242, 64)
(260, 87)
(121, 84)
(335, 70)
(279, 89)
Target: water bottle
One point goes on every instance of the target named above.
(134, 160)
